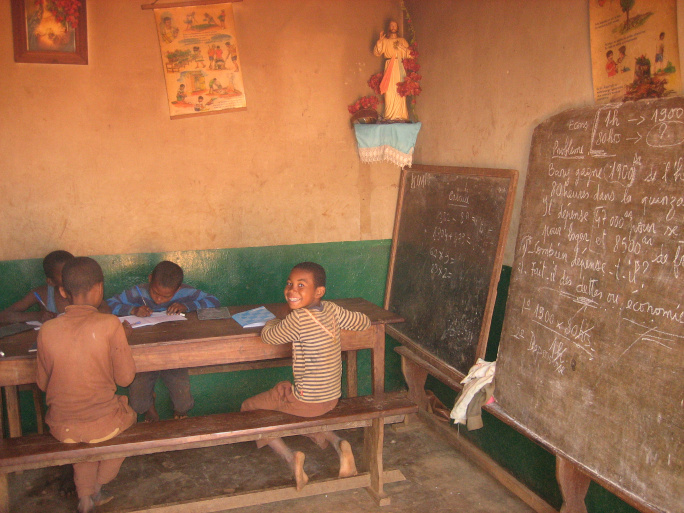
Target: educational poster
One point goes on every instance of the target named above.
(634, 49)
(201, 60)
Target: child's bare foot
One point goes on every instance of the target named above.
(151, 415)
(347, 463)
(101, 497)
(300, 476)
(85, 505)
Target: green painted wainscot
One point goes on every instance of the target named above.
(245, 276)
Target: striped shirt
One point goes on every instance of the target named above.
(316, 348)
(192, 298)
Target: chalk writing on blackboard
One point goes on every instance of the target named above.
(595, 314)
(446, 258)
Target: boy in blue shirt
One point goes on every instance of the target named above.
(164, 292)
(47, 297)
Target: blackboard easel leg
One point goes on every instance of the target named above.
(415, 377)
(573, 486)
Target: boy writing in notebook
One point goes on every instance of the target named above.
(82, 356)
(47, 297)
(313, 327)
(164, 292)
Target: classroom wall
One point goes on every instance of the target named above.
(494, 69)
(92, 163)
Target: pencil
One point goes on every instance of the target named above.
(40, 300)
(141, 296)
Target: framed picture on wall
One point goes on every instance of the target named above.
(50, 31)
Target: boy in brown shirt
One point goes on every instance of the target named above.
(82, 356)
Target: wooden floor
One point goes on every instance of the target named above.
(439, 479)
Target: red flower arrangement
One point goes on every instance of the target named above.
(365, 102)
(64, 11)
(410, 86)
(374, 82)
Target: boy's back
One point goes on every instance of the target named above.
(316, 348)
(82, 356)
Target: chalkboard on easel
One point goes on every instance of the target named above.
(591, 358)
(447, 251)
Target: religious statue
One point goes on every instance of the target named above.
(393, 48)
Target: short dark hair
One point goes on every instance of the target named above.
(609, 53)
(168, 274)
(52, 260)
(315, 269)
(80, 274)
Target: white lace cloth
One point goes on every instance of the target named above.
(388, 153)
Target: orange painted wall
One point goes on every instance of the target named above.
(91, 162)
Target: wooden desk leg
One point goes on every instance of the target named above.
(2, 430)
(352, 374)
(573, 486)
(13, 414)
(378, 359)
(373, 437)
(4, 494)
(38, 407)
(415, 377)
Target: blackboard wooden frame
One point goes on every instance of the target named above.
(508, 178)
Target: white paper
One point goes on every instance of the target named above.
(155, 318)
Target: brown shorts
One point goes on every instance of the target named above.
(281, 398)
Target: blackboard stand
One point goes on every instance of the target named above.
(573, 486)
(573, 483)
(415, 368)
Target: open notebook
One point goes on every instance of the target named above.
(155, 318)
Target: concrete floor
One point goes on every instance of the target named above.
(439, 479)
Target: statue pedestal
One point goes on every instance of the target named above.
(393, 142)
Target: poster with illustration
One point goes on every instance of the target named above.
(201, 60)
(634, 49)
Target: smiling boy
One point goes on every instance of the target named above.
(313, 327)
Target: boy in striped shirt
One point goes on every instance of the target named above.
(313, 327)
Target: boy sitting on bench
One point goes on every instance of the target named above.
(313, 327)
(82, 356)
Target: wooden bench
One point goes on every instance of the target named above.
(369, 412)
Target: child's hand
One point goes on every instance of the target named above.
(141, 311)
(46, 316)
(176, 308)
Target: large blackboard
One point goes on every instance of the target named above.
(447, 249)
(591, 359)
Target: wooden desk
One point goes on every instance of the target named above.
(195, 343)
